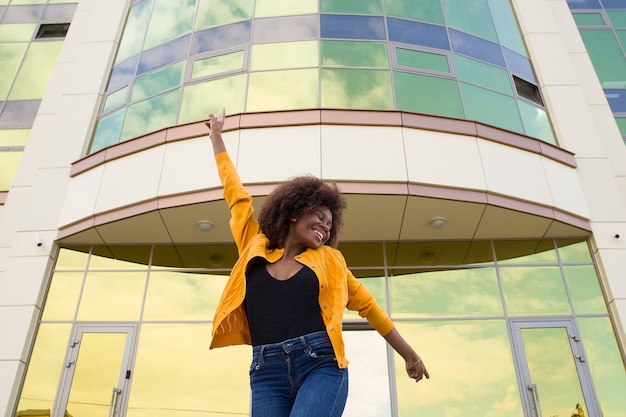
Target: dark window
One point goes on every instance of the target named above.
(52, 30)
(527, 90)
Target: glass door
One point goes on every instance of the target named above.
(96, 378)
(554, 377)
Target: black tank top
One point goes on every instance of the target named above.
(280, 310)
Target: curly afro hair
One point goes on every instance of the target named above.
(294, 197)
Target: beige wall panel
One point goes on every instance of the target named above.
(18, 321)
(9, 384)
(99, 21)
(603, 197)
(607, 128)
(548, 50)
(565, 188)
(536, 15)
(45, 202)
(20, 284)
(80, 198)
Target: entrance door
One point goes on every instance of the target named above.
(554, 377)
(96, 378)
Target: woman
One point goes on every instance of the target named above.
(287, 292)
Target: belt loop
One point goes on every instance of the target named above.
(304, 342)
(262, 353)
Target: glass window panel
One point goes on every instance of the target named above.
(428, 10)
(267, 8)
(506, 26)
(464, 292)
(422, 60)
(355, 54)
(220, 12)
(213, 382)
(59, 12)
(119, 257)
(613, 4)
(34, 74)
(534, 291)
(72, 259)
(122, 74)
(62, 297)
(621, 124)
(284, 55)
(585, 289)
(536, 122)
(430, 95)
(484, 75)
(617, 18)
(461, 345)
(355, 88)
(588, 19)
(182, 296)
(23, 14)
(470, 17)
(217, 64)
(352, 27)
(606, 55)
(169, 20)
(108, 130)
(621, 37)
(112, 296)
(158, 81)
(605, 362)
(195, 106)
(14, 137)
(491, 108)
(12, 32)
(11, 56)
(287, 29)
(151, 115)
(221, 37)
(134, 31)
(14, 2)
(165, 54)
(283, 90)
(114, 100)
(9, 162)
(20, 113)
(583, 4)
(616, 99)
(475, 47)
(44, 367)
(375, 285)
(416, 33)
(352, 6)
(525, 252)
(519, 65)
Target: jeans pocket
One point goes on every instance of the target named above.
(321, 350)
(254, 367)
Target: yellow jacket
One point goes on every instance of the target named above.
(338, 287)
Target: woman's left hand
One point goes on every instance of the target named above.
(417, 370)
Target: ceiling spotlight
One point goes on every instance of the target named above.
(438, 222)
(427, 257)
(216, 260)
(205, 225)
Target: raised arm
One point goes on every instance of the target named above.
(215, 125)
(415, 367)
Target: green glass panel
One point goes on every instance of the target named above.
(267, 8)
(351, 6)
(13, 137)
(134, 31)
(428, 10)
(585, 289)
(198, 99)
(283, 90)
(112, 296)
(617, 18)
(16, 2)
(4, 2)
(169, 20)
(375, 285)
(472, 17)
(44, 368)
(534, 291)
(284, 55)
(463, 349)
(621, 36)
(491, 108)
(71, 259)
(355, 54)
(176, 375)
(588, 19)
(605, 362)
(108, 130)
(34, 74)
(621, 124)
(574, 252)
(356, 89)
(151, 115)
(430, 95)
(506, 26)
(221, 12)
(535, 122)
(158, 81)
(182, 296)
(607, 57)
(11, 32)
(62, 296)
(115, 100)
(462, 292)
(11, 56)
(214, 65)
(422, 60)
(525, 252)
(8, 167)
(484, 75)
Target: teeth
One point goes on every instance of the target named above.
(319, 235)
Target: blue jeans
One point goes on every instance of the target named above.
(297, 378)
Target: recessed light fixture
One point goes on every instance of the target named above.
(438, 222)
(205, 225)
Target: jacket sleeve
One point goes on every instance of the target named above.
(242, 223)
(361, 299)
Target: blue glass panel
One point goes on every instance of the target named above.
(614, 4)
(123, 73)
(475, 47)
(617, 99)
(519, 65)
(221, 37)
(583, 4)
(416, 33)
(165, 54)
(352, 27)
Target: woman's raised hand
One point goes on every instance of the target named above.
(215, 125)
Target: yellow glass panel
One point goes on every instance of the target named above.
(284, 55)
(356, 89)
(266, 8)
(217, 64)
(169, 20)
(584, 288)
(8, 167)
(63, 296)
(574, 252)
(32, 78)
(112, 296)
(72, 259)
(44, 368)
(14, 137)
(220, 12)
(120, 257)
(463, 349)
(17, 31)
(283, 90)
(177, 375)
(534, 291)
(11, 56)
(182, 296)
(209, 97)
(14, 2)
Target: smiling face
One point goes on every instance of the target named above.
(311, 229)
